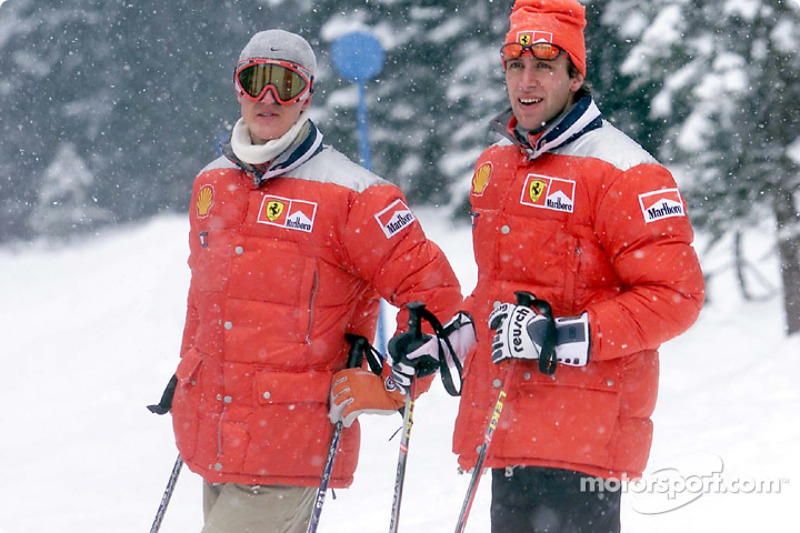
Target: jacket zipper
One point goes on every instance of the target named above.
(314, 288)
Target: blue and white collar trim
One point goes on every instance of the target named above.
(580, 118)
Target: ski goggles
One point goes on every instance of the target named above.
(540, 51)
(288, 82)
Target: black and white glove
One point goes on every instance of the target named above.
(573, 340)
(413, 356)
(522, 333)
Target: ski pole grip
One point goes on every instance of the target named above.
(415, 310)
(358, 345)
(525, 298)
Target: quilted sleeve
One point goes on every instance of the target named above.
(387, 247)
(644, 227)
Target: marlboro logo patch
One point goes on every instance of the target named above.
(395, 218)
(287, 213)
(549, 193)
(658, 205)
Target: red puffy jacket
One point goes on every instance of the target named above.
(590, 223)
(281, 270)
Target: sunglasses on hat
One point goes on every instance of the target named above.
(288, 82)
(541, 51)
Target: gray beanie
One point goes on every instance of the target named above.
(283, 45)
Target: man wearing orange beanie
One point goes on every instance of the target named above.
(571, 210)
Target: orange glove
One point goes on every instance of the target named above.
(355, 391)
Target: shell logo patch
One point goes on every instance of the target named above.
(205, 200)
(529, 37)
(481, 179)
(287, 213)
(395, 218)
(549, 193)
(658, 205)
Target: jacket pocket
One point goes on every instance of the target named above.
(188, 367)
(568, 424)
(290, 430)
(569, 416)
(292, 387)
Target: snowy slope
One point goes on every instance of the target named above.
(90, 336)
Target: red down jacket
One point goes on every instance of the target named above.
(591, 223)
(281, 270)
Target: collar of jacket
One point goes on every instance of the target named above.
(307, 145)
(581, 117)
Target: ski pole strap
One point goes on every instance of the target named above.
(165, 404)
(447, 357)
(362, 349)
(547, 358)
(374, 360)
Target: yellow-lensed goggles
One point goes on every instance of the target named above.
(288, 82)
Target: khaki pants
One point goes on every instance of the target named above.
(234, 508)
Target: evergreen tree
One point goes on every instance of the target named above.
(141, 89)
(64, 204)
(612, 27)
(50, 93)
(730, 74)
(429, 107)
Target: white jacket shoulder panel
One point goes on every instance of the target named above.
(219, 163)
(608, 144)
(328, 166)
(331, 166)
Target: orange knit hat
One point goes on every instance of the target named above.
(559, 22)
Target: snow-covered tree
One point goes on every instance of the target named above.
(64, 204)
(429, 107)
(729, 72)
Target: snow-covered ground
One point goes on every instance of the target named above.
(90, 336)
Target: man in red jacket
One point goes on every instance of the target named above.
(571, 210)
(292, 246)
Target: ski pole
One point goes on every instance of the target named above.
(415, 328)
(472, 489)
(357, 346)
(529, 300)
(162, 508)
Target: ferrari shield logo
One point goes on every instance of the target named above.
(535, 189)
(274, 210)
(547, 192)
(526, 38)
(287, 213)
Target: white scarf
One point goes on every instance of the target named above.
(258, 154)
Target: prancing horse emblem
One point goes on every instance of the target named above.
(274, 210)
(535, 190)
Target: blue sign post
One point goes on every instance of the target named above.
(359, 58)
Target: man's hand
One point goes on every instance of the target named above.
(572, 345)
(414, 356)
(355, 391)
(521, 332)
